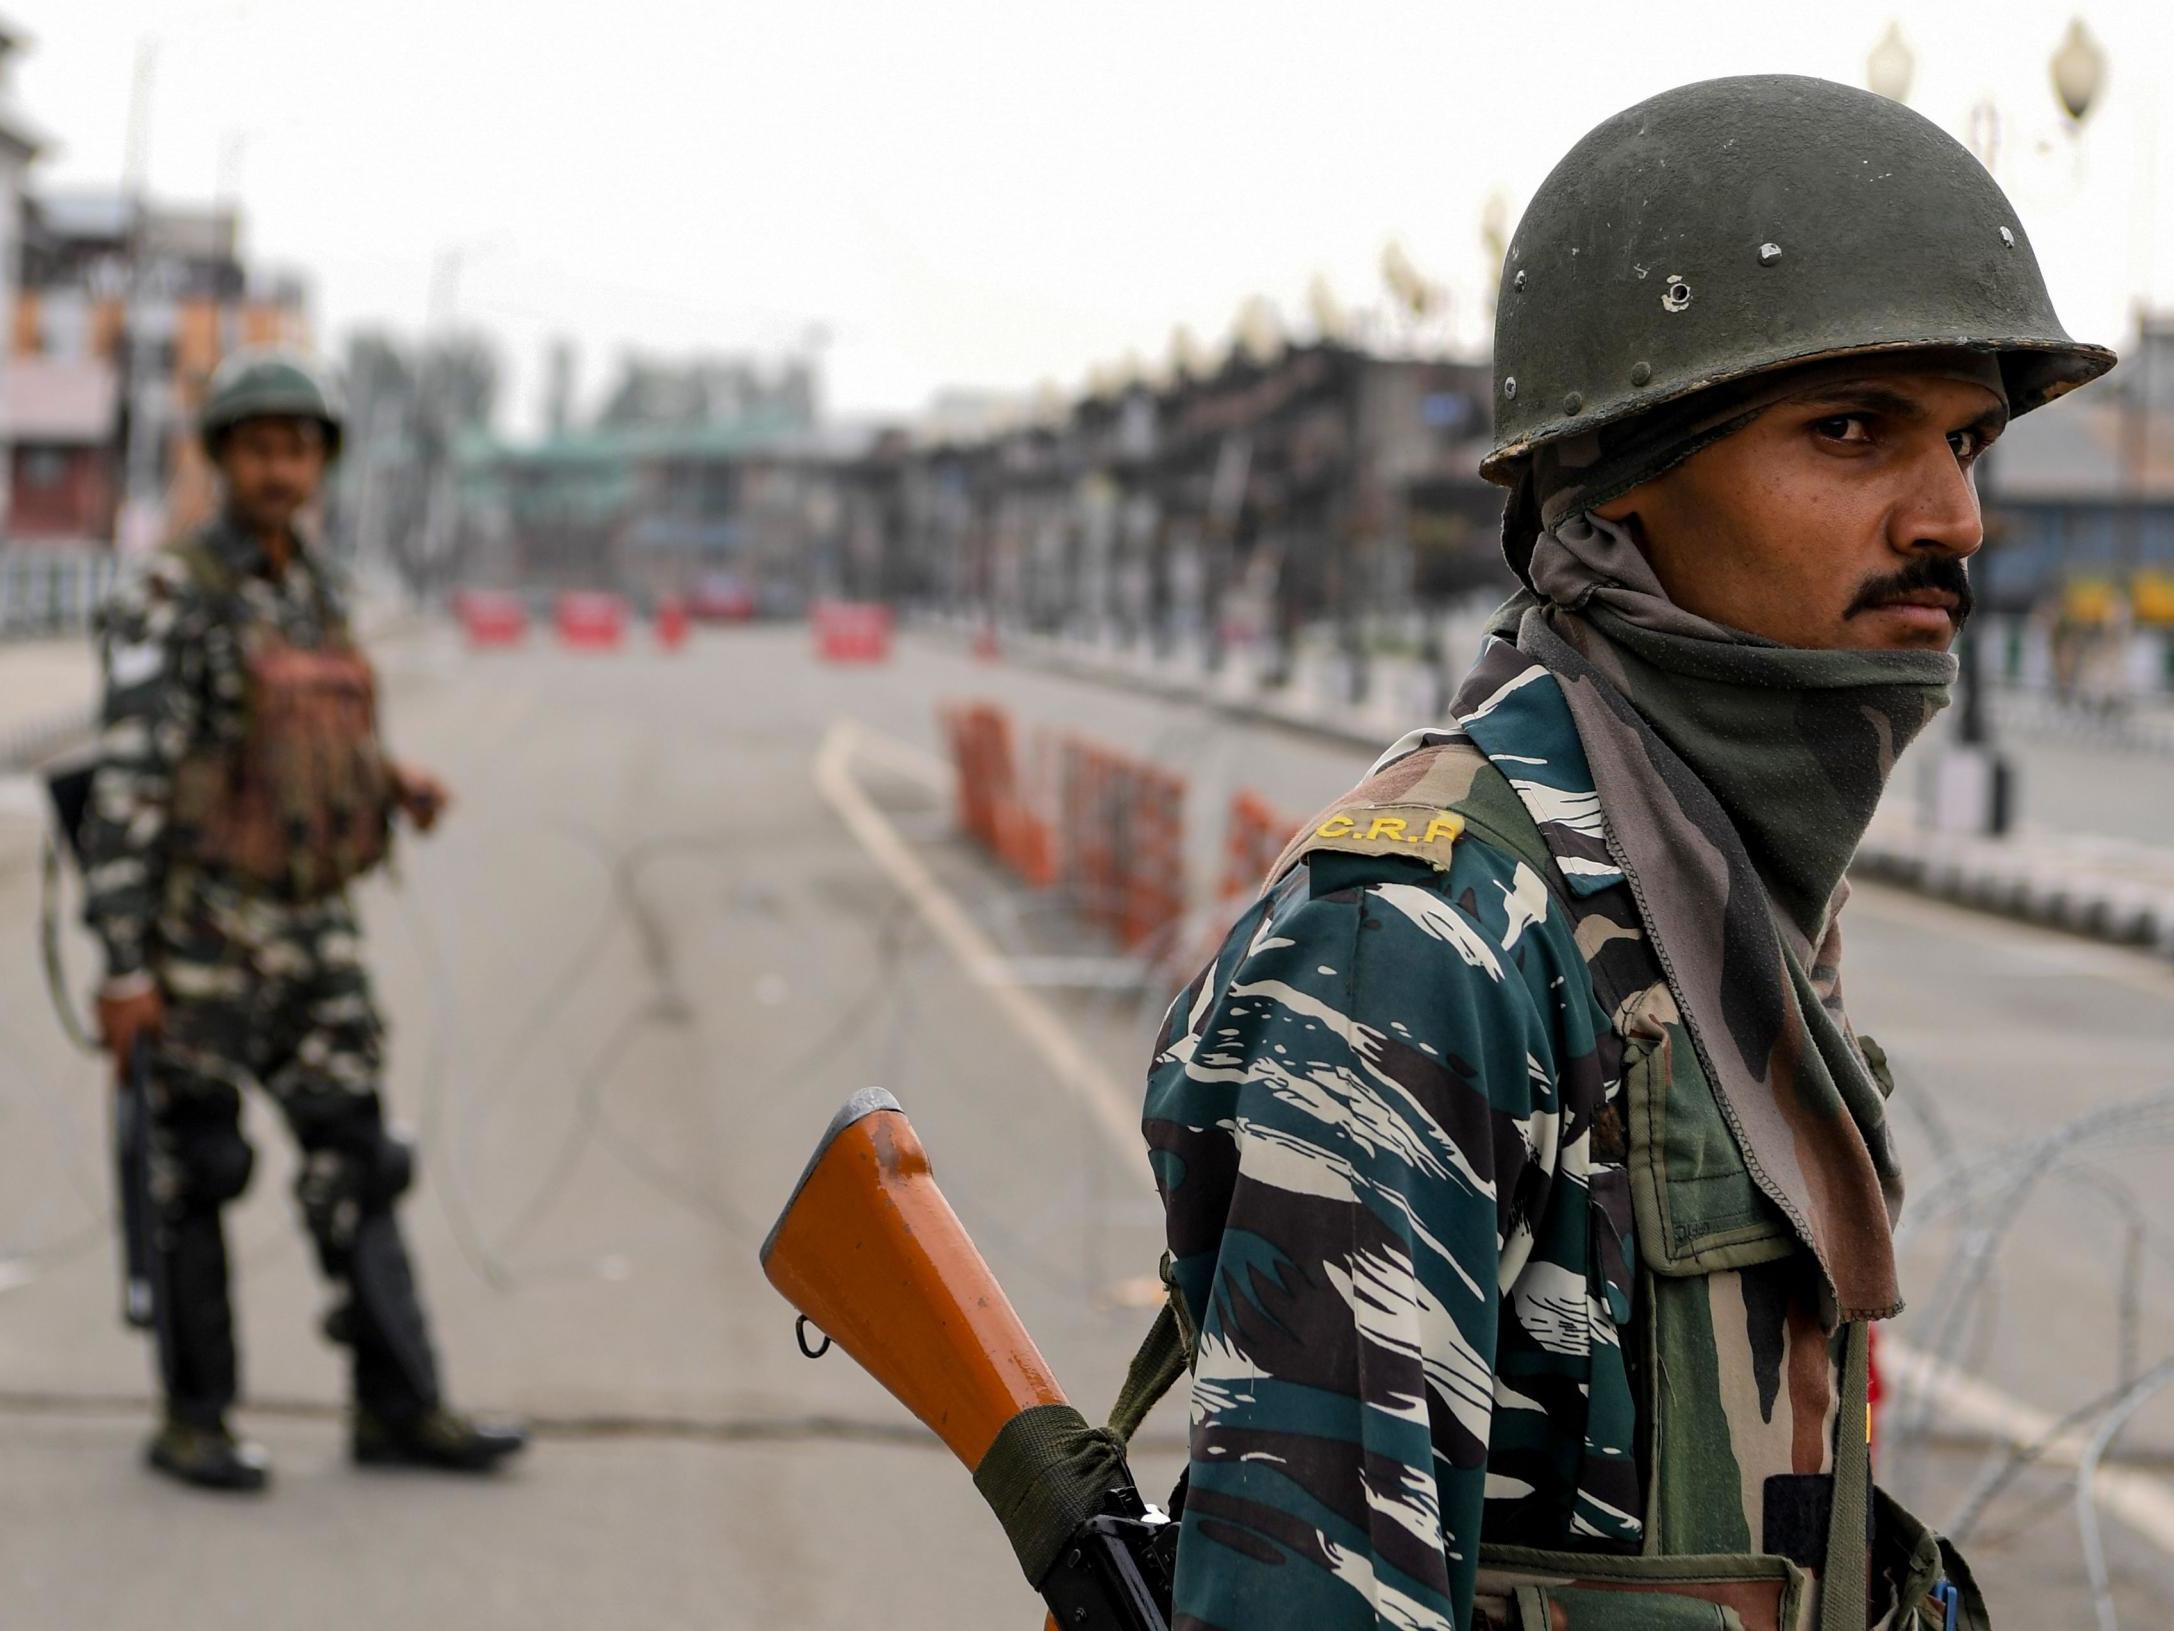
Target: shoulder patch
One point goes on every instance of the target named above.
(1402, 810)
(1417, 830)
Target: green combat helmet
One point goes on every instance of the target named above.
(261, 383)
(1728, 228)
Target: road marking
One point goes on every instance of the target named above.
(915, 764)
(2138, 1500)
(1115, 1110)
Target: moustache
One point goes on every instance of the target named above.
(1946, 573)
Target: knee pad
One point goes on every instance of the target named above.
(388, 1169)
(216, 1167)
(339, 1184)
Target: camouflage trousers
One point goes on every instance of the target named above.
(269, 994)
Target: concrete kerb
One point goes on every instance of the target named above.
(2088, 893)
(2080, 888)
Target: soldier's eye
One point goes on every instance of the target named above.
(1968, 444)
(1843, 427)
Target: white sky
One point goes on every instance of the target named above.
(990, 194)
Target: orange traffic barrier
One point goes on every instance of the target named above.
(491, 617)
(1024, 838)
(591, 621)
(981, 750)
(671, 622)
(1154, 854)
(851, 631)
(1121, 841)
(1116, 840)
(1090, 837)
(1256, 837)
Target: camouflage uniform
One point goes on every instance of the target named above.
(1450, 1201)
(260, 986)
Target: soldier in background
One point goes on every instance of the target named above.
(241, 786)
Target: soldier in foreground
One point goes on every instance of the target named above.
(241, 786)
(1526, 1181)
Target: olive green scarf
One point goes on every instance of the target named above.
(1737, 778)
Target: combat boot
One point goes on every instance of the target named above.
(209, 1457)
(439, 1438)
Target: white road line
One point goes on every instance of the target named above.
(2137, 1500)
(915, 764)
(2140, 1501)
(1114, 1109)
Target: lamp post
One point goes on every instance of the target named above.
(1891, 66)
(1973, 782)
(2079, 71)
(1977, 764)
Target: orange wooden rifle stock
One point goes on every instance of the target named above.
(869, 1250)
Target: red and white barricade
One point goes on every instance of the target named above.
(591, 621)
(851, 631)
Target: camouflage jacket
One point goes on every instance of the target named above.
(173, 655)
(1444, 1189)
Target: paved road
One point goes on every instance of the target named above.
(629, 984)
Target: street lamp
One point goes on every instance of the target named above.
(1330, 324)
(1259, 331)
(1974, 785)
(2079, 71)
(1891, 66)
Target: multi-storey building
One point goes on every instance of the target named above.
(123, 311)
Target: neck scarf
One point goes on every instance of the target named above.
(1737, 777)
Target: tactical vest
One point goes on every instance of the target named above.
(1758, 1469)
(301, 804)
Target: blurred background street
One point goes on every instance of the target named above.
(765, 428)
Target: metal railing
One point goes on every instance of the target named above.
(52, 591)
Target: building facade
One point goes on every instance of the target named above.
(123, 310)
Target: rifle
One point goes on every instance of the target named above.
(69, 787)
(132, 1171)
(870, 1252)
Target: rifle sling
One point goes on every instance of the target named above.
(1047, 1473)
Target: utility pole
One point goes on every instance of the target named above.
(148, 401)
(138, 524)
(433, 386)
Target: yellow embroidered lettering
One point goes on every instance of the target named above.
(1335, 827)
(1388, 827)
(1444, 826)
